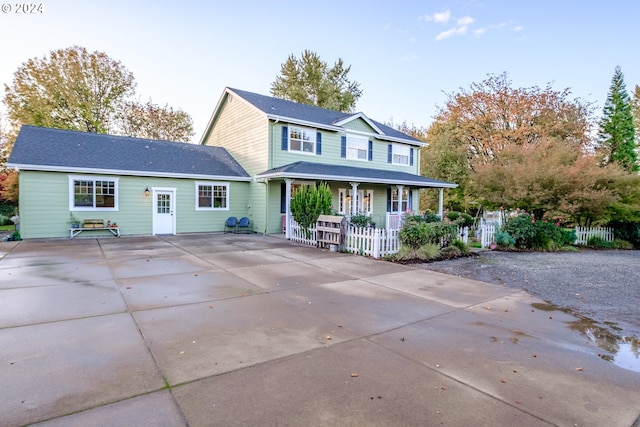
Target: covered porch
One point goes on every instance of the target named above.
(383, 195)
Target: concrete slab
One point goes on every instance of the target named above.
(305, 253)
(361, 307)
(359, 267)
(564, 386)
(25, 306)
(139, 267)
(289, 275)
(156, 409)
(441, 288)
(143, 293)
(200, 340)
(243, 258)
(59, 368)
(354, 384)
(45, 274)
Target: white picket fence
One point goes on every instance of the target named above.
(487, 233)
(373, 242)
(583, 234)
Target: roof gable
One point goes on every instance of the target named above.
(302, 114)
(39, 148)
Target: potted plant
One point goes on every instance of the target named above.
(75, 222)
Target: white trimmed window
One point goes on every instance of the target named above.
(394, 200)
(302, 139)
(400, 154)
(357, 147)
(364, 201)
(212, 196)
(93, 193)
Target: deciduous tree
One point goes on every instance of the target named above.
(69, 89)
(152, 121)
(91, 92)
(617, 132)
(310, 80)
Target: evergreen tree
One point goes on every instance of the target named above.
(617, 133)
(309, 80)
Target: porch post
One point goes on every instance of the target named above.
(440, 203)
(287, 214)
(354, 198)
(400, 188)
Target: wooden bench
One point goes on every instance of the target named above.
(93, 225)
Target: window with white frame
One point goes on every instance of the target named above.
(212, 196)
(400, 154)
(394, 200)
(302, 139)
(88, 193)
(357, 147)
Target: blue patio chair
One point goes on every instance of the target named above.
(232, 223)
(243, 225)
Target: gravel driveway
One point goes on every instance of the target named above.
(601, 285)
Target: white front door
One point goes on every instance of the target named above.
(164, 218)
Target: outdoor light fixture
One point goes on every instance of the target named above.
(146, 192)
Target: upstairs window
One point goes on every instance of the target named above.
(302, 139)
(357, 148)
(400, 154)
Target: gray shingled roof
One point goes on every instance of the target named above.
(309, 113)
(38, 148)
(326, 172)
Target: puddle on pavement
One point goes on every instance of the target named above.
(623, 351)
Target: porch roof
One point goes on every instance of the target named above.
(326, 172)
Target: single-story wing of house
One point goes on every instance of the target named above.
(146, 187)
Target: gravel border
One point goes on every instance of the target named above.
(603, 285)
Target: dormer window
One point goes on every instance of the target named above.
(302, 139)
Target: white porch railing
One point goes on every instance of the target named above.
(583, 234)
(394, 221)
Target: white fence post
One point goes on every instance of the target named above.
(583, 234)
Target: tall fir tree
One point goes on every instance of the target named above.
(617, 132)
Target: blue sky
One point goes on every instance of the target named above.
(406, 55)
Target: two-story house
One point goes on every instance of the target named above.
(254, 153)
(371, 168)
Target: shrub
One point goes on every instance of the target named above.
(431, 217)
(460, 218)
(622, 244)
(463, 247)
(504, 240)
(522, 229)
(309, 202)
(531, 234)
(414, 235)
(599, 243)
(423, 253)
(360, 220)
(5, 220)
(626, 230)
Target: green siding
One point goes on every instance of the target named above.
(359, 125)
(331, 147)
(44, 206)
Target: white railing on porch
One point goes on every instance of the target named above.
(583, 234)
(394, 221)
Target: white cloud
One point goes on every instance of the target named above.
(387, 27)
(452, 32)
(518, 28)
(497, 26)
(479, 32)
(465, 20)
(439, 17)
(412, 40)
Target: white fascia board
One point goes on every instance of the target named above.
(285, 119)
(363, 117)
(48, 168)
(355, 179)
(402, 140)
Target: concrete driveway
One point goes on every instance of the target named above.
(225, 329)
